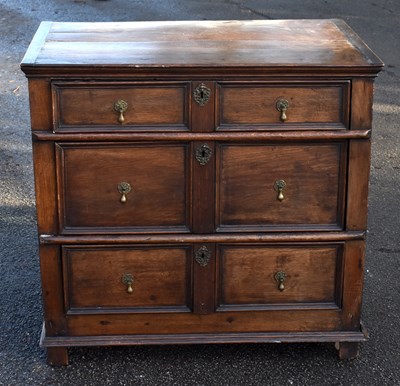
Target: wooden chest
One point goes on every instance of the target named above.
(201, 181)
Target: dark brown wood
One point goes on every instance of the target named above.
(361, 104)
(204, 282)
(273, 136)
(348, 350)
(248, 201)
(203, 189)
(40, 105)
(246, 276)
(161, 279)
(203, 239)
(45, 187)
(203, 115)
(353, 282)
(88, 106)
(57, 356)
(244, 337)
(52, 290)
(89, 175)
(282, 320)
(253, 107)
(357, 189)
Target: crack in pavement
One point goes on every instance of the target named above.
(246, 8)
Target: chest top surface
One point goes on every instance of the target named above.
(199, 44)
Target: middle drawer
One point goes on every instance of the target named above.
(124, 188)
(289, 186)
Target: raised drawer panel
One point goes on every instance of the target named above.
(90, 180)
(127, 279)
(91, 106)
(254, 107)
(284, 276)
(248, 178)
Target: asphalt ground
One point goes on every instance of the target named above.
(22, 362)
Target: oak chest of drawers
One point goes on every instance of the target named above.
(201, 181)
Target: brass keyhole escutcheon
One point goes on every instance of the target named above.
(120, 107)
(279, 186)
(128, 280)
(201, 94)
(282, 105)
(124, 188)
(280, 277)
(203, 154)
(203, 256)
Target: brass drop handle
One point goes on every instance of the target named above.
(282, 105)
(120, 107)
(279, 186)
(280, 277)
(124, 188)
(127, 279)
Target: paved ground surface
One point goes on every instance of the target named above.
(22, 362)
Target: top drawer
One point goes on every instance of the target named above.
(280, 106)
(102, 106)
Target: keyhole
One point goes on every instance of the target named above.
(203, 153)
(202, 255)
(202, 94)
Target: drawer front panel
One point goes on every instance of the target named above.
(127, 279)
(140, 324)
(283, 276)
(250, 176)
(90, 181)
(148, 106)
(318, 105)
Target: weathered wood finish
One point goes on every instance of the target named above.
(180, 205)
(286, 44)
(203, 338)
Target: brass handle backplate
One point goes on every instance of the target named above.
(128, 280)
(120, 107)
(280, 277)
(282, 105)
(203, 154)
(279, 186)
(124, 188)
(203, 256)
(201, 94)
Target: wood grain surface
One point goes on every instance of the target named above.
(201, 43)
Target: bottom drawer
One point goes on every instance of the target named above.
(319, 289)
(127, 279)
(279, 276)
